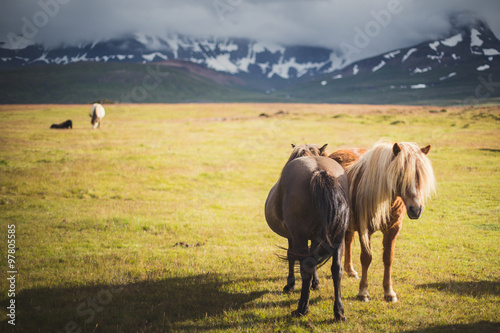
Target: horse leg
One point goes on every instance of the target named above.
(366, 260)
(389, 241)
(348, 267)
(290, 282)
(338, 307)
(307, 267)
(315, 279)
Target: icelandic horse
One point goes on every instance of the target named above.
(310, 203)
(384, 183)
(96, 114)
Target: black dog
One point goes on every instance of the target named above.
(66, 125)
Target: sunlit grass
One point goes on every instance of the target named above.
(162, 208)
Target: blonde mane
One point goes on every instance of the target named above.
(378, 175)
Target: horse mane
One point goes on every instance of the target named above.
(377, 176)
(307, 150)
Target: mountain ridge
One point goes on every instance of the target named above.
(289, 73)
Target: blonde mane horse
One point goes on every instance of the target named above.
(96, 113)
(384, 183)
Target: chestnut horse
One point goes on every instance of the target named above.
(385, 183)
(310, 202)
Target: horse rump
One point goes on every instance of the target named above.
(68, 124)
(332, 203)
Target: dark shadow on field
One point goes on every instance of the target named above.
(154, 306)
(490, 150)
(476, 289)
(480, 327)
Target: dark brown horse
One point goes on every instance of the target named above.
(385, 183)
(310, 203)
(68, 124)
(300, 151)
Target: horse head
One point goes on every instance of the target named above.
(307, 150)
(414, 176)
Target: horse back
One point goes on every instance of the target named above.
(347, 157)
(299, 203)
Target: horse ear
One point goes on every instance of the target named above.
(293, 146)
(396, 149)
(426, 149)
(322, 149)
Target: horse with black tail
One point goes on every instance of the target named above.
(300, 151)
(310, 203)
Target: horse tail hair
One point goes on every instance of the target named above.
(332, 204)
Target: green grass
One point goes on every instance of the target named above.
(100, 216)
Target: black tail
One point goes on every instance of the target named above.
(332, 204)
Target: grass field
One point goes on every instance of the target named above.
(155, 222)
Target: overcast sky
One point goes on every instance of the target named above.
(328, 23)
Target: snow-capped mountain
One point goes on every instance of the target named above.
(464, 65)
(228, 55)
(472, 45)
(462, 68)
(266, 60)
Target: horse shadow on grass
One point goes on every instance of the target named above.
(472, 288)
(154, 306)
(482, 326)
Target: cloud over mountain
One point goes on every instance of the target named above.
(325, 23)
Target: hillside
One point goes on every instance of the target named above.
(120, 82)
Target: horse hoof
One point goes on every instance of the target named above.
(391, 299)
(287, 289)
(339, 318)
(315, 286)
(363, 298)
(353, 275)
(298, 313)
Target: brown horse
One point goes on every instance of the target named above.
(310, 203)
(385, 183)
(300, 151)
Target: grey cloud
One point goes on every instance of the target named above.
(326, 23)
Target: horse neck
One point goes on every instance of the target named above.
(370, 194)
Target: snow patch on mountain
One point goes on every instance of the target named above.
(392, 55)
(421, 70)
(222, 63)
(150, 57)
(434, 45)
(408, 54)
(355, 69)
(452, 41)
(447, 76)
(271, 47)
(474, 38)
(490, 52)
(282, 69)
(379, 66)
